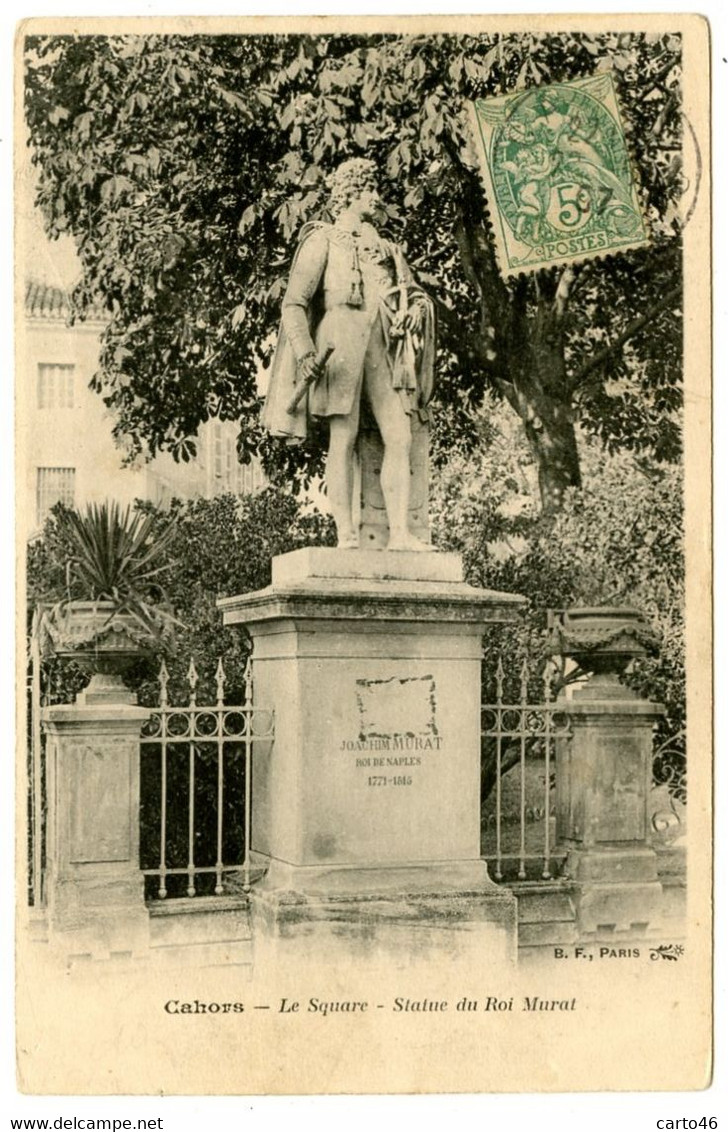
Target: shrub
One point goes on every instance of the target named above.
(616, 541)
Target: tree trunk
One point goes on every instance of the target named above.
(522, 344)
(542, 397)
(549, 428)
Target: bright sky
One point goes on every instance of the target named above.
(50, 261)
(41, 259)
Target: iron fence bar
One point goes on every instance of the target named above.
(220, 691)
(498, 767)
(191, 890)
(163, 809)
(191, 731)
(498, 806)
(162, 715)
(248, 718)
(523, 722)
(220, 788)
(229, 737)
(546, 874)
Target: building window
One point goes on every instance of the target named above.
(54, 485)
(55, 386)
(229, 474)
(251, 478)
(225, 460)
(217, 450)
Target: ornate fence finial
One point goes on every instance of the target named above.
(192, 679)
(548, 681)
(163, 681)
(220, 681)
(248, 678)
(524, 681)
(500, 673)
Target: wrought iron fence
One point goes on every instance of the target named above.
(518, 744)
(668, 797)
(196, 773)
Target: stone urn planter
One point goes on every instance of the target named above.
(114, 609)
(603, 640)
(103, 642)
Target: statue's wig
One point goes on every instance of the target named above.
(348, 181)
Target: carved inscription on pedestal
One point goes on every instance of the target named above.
(399, 705)
(397, 727)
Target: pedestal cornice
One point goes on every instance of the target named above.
(324, 583)
(366, 600)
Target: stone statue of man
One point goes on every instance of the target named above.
(355, 325)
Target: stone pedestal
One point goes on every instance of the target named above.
(94, 887)
(366, 805)
(604, 776)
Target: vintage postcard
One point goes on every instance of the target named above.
(364, 380)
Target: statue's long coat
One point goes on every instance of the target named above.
(343, 288)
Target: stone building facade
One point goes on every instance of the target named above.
(65, 440)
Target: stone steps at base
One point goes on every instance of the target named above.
(37, 924)
(674, 907)
(232, 953)
(546, 914)
(202, 931)
(557, 934)
(547, 917)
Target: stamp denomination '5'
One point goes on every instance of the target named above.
(557, 175)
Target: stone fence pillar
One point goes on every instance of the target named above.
(604, 776)
(94, 886)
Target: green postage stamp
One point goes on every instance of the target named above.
(557, 174)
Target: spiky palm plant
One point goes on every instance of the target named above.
(116, 556)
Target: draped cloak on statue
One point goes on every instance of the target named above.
(345, 289)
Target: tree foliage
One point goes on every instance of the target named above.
(616, 541)
(185, 166)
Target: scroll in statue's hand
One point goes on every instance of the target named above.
(308, 369)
